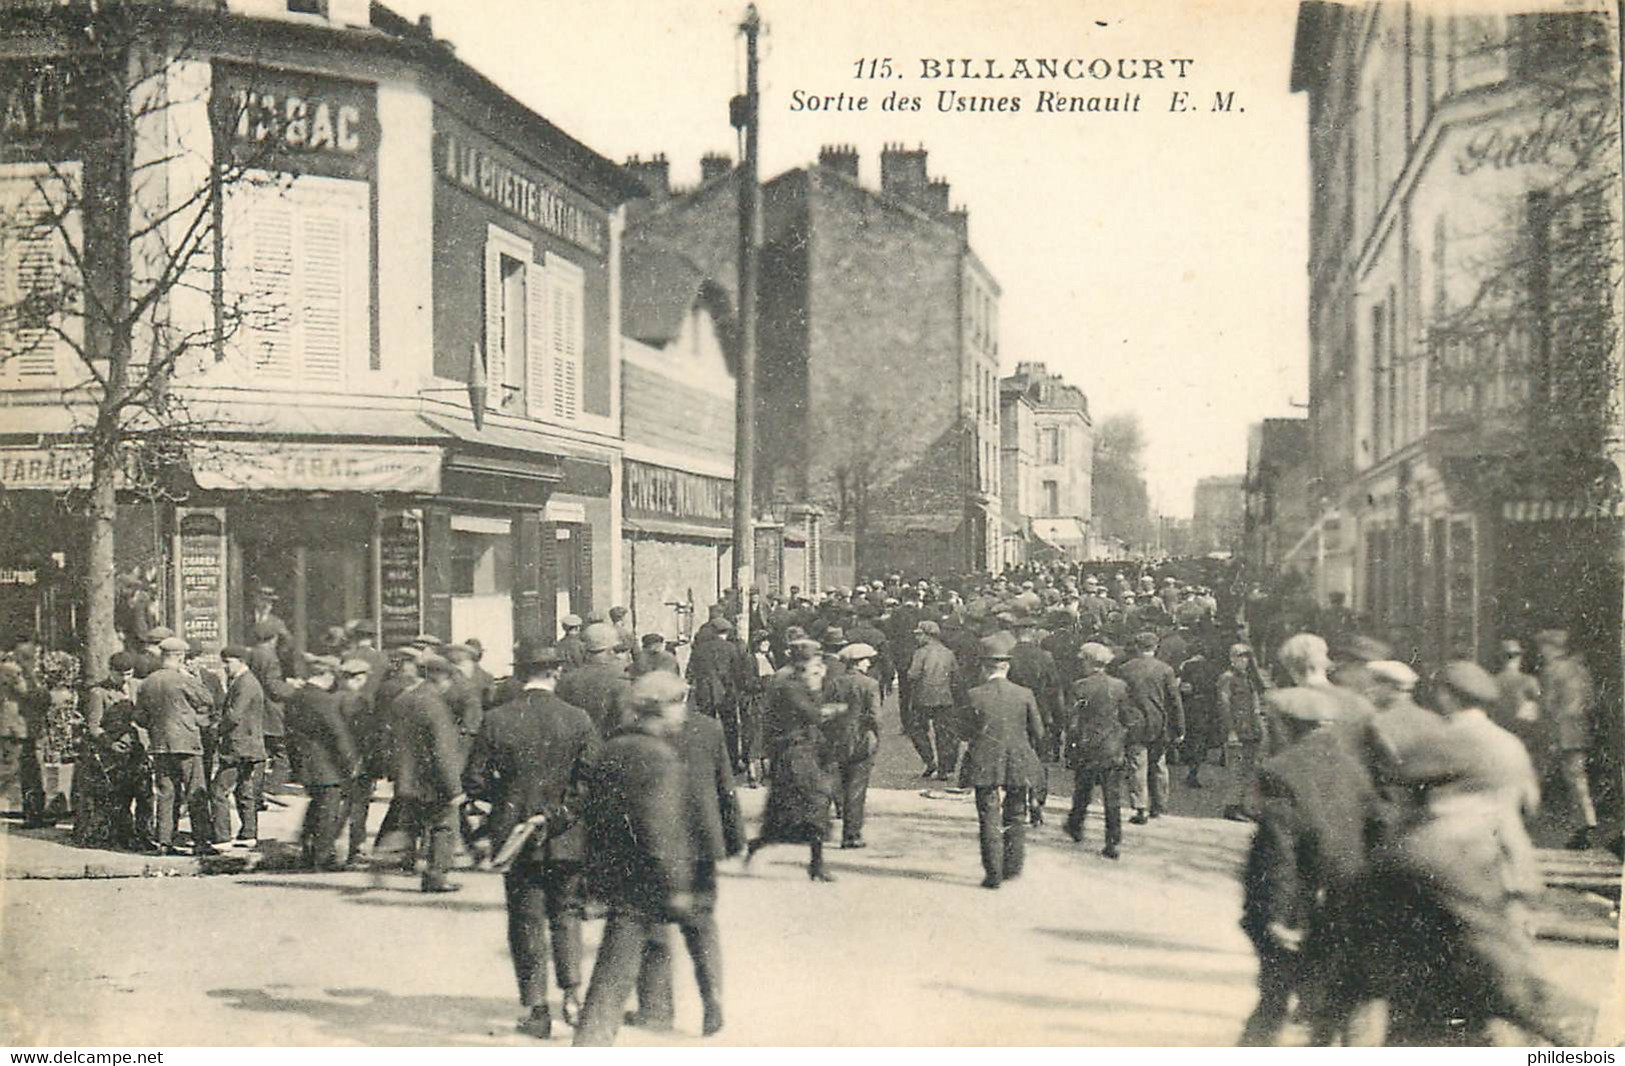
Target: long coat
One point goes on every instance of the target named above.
(715, 826)
(324, 752)
(799, 788)
(428, 761)
(638, 853)
(532, 756)
(1005, 733)
(601, 689)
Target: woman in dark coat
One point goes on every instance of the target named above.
(800, 787)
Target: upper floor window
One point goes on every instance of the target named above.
(1049, 446)
(38, 233)
(1052, 498)
(297, 284)
(533, 330)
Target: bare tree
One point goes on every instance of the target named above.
(117, 262)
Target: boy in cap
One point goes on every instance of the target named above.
(1102, 720)
(571, 645)
(931, 705)
(855, 737)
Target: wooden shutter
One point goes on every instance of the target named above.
(536, 340)
(565, 294)
(32, 293)
(496, 365)
(582, 534)
(323, 283)
(273, 288)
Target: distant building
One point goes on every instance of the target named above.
(877, 382)
(1058, 507)
(1277, 499)
(1218, 511)
(1018, 481)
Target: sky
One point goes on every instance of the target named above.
(1154, 258)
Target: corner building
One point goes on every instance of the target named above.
(410, 246)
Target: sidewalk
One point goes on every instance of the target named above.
(51, 854)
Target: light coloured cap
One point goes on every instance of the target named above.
(355, 667)
(860, 650)
(173, 644)
(1097, 653)
(600, 636)
(571, 621)
(657, 689)
(1393, 672)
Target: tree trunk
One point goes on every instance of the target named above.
(100, 579)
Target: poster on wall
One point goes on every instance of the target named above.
(400, 578)
(201, 574)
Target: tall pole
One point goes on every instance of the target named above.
(748, 115)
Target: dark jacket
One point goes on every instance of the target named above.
(1103, 718)
(713, 672)
(467, 708)
(1034, 669)
(532, 756)
(427, 759)
(600, 689)
(268, 669)
(172, 707)
(324, 752)
(637, 841)
(1005, 730)
(716, 828)
(1154, 688)
(241, 732)
(849, 735)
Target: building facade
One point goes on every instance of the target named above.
(1464, 372)
(408, 409)
(1218, 510)
(1018, 482)
(877, 381)
(1059, 511)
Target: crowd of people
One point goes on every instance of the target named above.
(600, 777)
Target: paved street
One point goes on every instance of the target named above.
(904, 948)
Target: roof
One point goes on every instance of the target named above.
(659, 287)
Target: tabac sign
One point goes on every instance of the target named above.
(319, 468)
(296, 122)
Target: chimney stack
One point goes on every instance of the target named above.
(936, 196)
(714, 165)
(902, 175)
(655, 174)
(841, 158)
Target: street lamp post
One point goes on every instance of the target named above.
(746, 114)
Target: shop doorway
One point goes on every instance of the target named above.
(317, 559)
(482, 580)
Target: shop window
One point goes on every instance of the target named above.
(481, 557)
(298, 263)
(38, 226)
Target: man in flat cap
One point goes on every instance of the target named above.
(854, 736)
(639, 861)
(325, 758)
(1005, 730)
(1567, 697)
(172, 705)
(1454, 878)
(571, 644)
(1154, 688)
(427, 768)
(279, 687)
(931, 708)
(240, 751)
(530, 762)
(599, 684)
(654, 656)
(1103, 718)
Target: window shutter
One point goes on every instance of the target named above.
(565, 292)
(322, 295)
(583, 545)
(536, 339)
(31, 303)
(273, 290)
(495, 363)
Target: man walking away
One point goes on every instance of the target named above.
(1006, 730)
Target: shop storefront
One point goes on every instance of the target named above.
(678, 530)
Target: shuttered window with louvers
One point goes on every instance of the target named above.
(38, 227)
